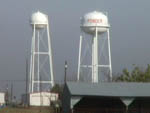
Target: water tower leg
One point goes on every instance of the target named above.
(95, 58)
(79, 59)
(38, 76)
(30, 78)
(50, 55)
(33, 60)
(109, 53)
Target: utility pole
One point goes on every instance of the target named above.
(26, 80)
(65, 77)
(11, 92)
(41, 98)
(7, 95)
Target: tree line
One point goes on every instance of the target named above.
(137, 74)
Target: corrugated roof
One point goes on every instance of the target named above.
(109, 89)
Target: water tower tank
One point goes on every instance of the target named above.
(39, 19)
(91, 20)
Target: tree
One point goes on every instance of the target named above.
(136, 75)
(57, 89)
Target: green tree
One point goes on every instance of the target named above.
(57, 89)
(136, 75)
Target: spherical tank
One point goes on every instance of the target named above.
(91, 20)
(39, 19)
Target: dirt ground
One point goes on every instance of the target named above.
(27, 110)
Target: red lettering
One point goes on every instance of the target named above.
(95, 20)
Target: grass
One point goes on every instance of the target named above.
(27, 110)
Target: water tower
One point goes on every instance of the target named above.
(94, 24)
(41, 66)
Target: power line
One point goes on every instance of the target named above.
(12, 80)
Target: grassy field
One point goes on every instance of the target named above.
(27, 110)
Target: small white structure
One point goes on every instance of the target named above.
(40, 98)
(2, 99)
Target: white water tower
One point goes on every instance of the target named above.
(95, 24)
(41, 66)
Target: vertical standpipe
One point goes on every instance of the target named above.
(95, 57)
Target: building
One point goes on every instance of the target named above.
(2, 99)
(40, 98)
(106, 97)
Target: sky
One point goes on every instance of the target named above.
(129, 32)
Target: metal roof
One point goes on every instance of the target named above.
(109, 89)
